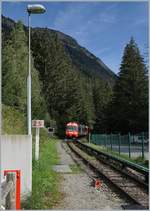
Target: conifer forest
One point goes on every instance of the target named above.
(71, 84)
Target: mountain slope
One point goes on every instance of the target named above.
(72, 79)
(85, 61)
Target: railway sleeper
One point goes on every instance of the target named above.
(121, 167)
(119, 170)
(127, 190)
(124, 163)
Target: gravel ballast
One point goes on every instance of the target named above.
(78, 190)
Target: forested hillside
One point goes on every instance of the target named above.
(69, 92)
(71, 84)
(80, 57)
(67, 89)
(14, 74)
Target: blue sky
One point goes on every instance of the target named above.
(104, 28)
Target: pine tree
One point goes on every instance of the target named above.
(102, 94)
(88, 110)
(67, 92)
(59, 79)
(15, 70)
(130, 103)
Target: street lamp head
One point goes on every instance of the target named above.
(35, 9)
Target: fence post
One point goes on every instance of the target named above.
(119, 142)
(105, 140)
(142, 145)
(111, 141)
(129, 142)
(11, 197)
(89, 137)
(93, 138)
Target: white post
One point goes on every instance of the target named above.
(37, 143)
(0, 78)
(0, 98)
(29, 81)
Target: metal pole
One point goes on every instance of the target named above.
(0, 80)
(89, 137)
(29, 80)
(129, 145)
(142, 145)
(0, 95)
(105, 140)
(111, 140)
(119, 142)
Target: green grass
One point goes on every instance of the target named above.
(45, 182)
(75, 168)
(138, 160)
(13, 121)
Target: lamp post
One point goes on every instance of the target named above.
(31, 9)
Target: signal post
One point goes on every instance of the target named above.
(37, 124)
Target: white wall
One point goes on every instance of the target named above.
(16, 154)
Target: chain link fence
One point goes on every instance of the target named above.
(131, 144)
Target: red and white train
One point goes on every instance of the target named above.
(75, 130)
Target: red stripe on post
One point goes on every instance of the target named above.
(18, 190)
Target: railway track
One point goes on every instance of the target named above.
(129, 179)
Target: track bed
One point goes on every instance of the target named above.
(134, 189)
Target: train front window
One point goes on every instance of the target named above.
(72, 128)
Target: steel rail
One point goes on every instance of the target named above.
(125, 185)
(119, 164)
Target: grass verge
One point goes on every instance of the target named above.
(75, 168)
(138, 160)
(45, 182)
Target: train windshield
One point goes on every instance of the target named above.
(72, 128)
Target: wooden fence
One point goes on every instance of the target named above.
(8, 192)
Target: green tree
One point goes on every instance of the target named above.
(130, 101)
(14, 73)
(102, 94)
(14, 68)
(68, 94)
